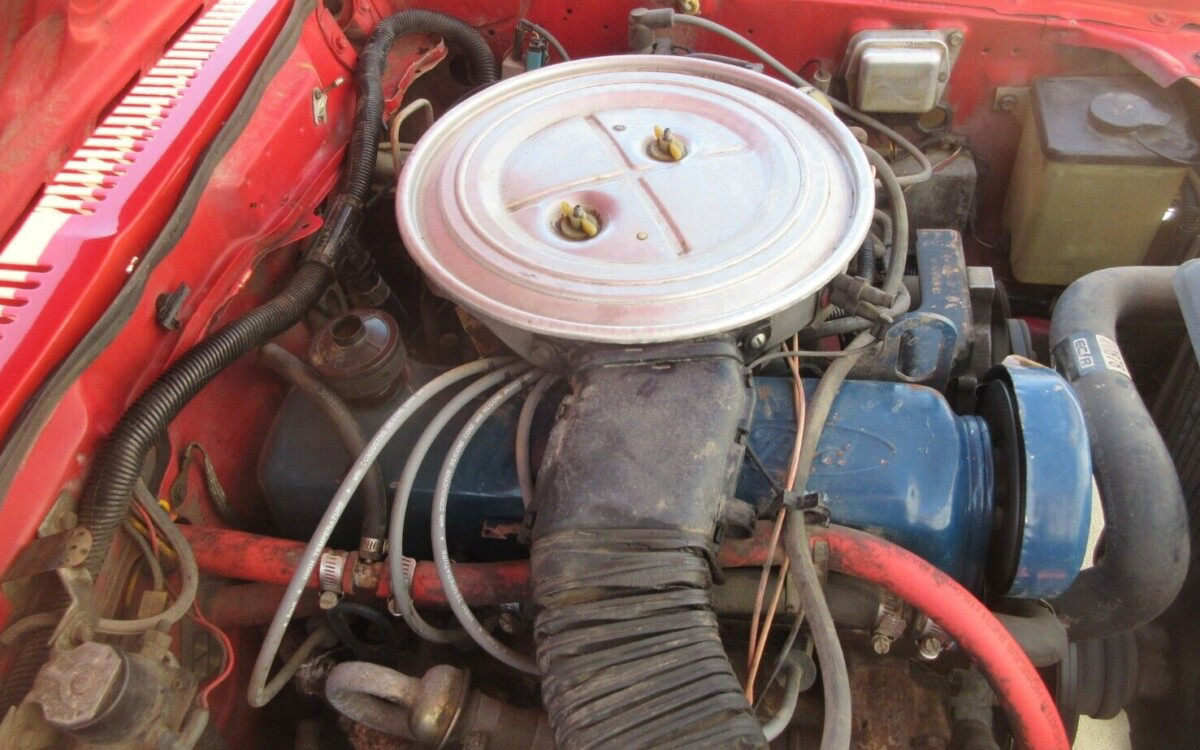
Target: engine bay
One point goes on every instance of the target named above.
(716, 374)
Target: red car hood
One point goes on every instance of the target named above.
(63, 63)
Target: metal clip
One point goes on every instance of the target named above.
(320, 100)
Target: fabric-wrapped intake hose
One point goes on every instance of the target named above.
(629, 646)
(630, 495)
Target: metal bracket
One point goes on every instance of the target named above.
(927, 346)
(79, 622)
(66, 549)
(335, 37)
(320, 100)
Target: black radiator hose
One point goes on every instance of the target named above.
(1146, 544)
(368, 115)
(628, 502)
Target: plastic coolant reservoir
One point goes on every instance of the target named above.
(1098, 165)
(635, 199)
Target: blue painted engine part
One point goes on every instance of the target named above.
(894, 460)
(1044, 476)
(1000, 501)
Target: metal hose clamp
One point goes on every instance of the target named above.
(408, 565)
(330, 570)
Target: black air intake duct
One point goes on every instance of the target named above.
(632, 491)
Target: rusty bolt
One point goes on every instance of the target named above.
(881, 643)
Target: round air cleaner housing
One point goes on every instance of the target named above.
(636, 200)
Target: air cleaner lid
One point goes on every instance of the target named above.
(754, 201)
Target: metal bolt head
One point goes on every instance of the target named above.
(76, 686)
(930, 647)
(510, 622)
(542, 353)
(1008, 102)
(328, 600)
(881, 643)
(955, 38)
(67, 520)
(757, 341)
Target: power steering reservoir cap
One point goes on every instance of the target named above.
(712, 197)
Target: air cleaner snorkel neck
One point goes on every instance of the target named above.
(637, 474)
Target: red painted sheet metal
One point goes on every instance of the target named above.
(260, 198)
(61, 64)
(1001, 48)
(63, 265)
(1159, 15)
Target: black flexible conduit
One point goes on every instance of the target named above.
(33, 649)
(368, 118)
(110, 486)
(629, 647)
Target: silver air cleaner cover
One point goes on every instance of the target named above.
(710, 198)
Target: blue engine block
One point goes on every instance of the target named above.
(894, 460)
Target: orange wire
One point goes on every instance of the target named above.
(758, 602)
(756, 662)
(228, 658)
(758, 637)
(226, 645)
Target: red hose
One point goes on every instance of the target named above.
(1016, 683)
(1018, 686)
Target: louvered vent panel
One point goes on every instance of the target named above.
(101, 161)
